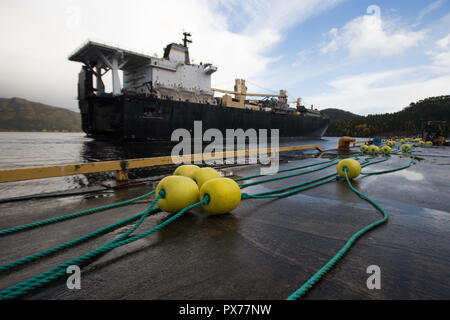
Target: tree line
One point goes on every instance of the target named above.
(407, 122)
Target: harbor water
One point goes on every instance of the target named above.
(26, 149)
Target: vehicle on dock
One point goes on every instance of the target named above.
(436, 132)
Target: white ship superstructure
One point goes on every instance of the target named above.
(173, 76)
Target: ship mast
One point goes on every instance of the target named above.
(186, 40)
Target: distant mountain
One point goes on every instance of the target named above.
(338, 114)
(409, 121)
(18, 114)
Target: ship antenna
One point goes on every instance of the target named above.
(186, 40)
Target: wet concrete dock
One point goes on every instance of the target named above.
(265, 249)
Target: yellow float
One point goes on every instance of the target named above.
(177, 192)
(374, 150)
(386, 150)
(364, 148)
(353, 168)
(406, 147)
(224, 195)
(202, 175)
(186, 170)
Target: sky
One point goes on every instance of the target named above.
(366, 57)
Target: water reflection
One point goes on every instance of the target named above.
(93, 150)
(411, 175)
(109, 150)
(25, 149)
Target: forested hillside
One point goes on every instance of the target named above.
(406, 122)
(338, 114)
(22, 115)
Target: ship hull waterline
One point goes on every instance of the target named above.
(130, 118)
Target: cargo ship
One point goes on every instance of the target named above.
(156, 96)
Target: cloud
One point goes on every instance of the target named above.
(391, 90)
(428, 9)
(269, 17)
(382, 92)
(440, 56)
(367, 65)
(302, 57)
(444, 42)
(371, 35)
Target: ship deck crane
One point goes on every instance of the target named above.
(249, 94)
(240, 94)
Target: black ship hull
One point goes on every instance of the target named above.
(135, 118)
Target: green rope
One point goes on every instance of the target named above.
(242, 186)
(86, 237)
(72, 243)
(316, 182)
(161, 194)
(286, 170)
(286, 194)
(56, 272)
(60, 270)
(374, 162)
(292, 169)
(123, 203)
(72, 215)
(114, 205)
(391, 170)
(294, 186)
(319, 274)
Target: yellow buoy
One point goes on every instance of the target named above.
(353, 168)
(179, 192)
(204, 174)
(185, 170)
(406, 147)
(386, 150)
(374, 150)
(421, 143)
(429, 143)
(402, 141)
(224, 195)
(364, 148)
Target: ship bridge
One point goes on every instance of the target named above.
(102, 58)
(172, 76)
